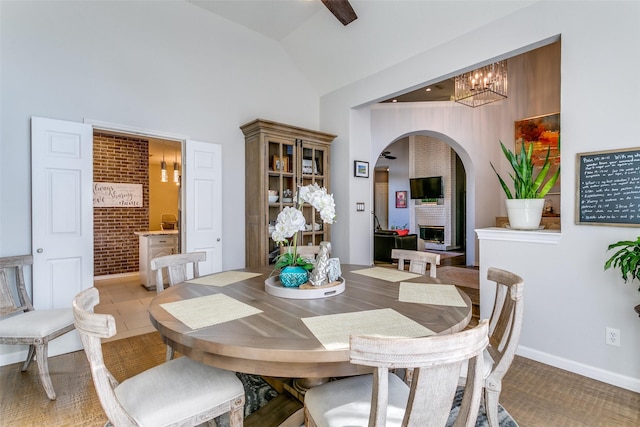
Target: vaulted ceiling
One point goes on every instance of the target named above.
(386, 32)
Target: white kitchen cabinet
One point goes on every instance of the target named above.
(154, 244)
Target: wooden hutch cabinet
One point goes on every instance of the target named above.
(278, 159)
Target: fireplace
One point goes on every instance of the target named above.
(432, 233)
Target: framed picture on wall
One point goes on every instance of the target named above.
(361, 169)
(544, 133)
(401, 199)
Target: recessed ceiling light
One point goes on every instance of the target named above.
(428, 89)
(395, 100)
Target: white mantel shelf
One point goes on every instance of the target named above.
(548, 237)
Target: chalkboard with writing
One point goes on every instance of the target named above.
(609, 188)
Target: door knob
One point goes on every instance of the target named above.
(218, 239)
(39, 250)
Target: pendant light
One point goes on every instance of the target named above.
(482, 86)
(176, 170)
(163, 168)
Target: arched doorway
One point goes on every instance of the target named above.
(440, 223)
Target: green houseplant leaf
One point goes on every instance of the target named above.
(287, 258)
(626, 259)
(525, 185)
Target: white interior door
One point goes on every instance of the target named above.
(62, 215)
(202, 183)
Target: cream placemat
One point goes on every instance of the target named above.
(223, 279)
(424, 293)
(209, 310)
(388, 274)
(333, 330)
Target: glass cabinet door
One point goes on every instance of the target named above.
(293, 164)
(281, 184)
(313, 164)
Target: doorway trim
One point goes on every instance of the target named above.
(98, 125)
(101, 125)
(201, 173)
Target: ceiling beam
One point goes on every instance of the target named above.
(342, 10)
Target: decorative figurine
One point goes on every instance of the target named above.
(334, 271)
(318, 276)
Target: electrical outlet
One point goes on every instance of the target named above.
(612, 337)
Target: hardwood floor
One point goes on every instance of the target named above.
(536, 395)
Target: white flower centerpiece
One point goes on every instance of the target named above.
(290, 221)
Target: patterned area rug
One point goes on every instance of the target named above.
(257, 393)
(504, 419)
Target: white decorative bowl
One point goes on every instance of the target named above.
(273, 199)
(274, 287)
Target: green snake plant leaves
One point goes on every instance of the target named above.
(525, 185)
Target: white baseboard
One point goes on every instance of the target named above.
(592, 372)
(116, 276)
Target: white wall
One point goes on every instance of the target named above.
(583, 299)
(398, 181)
(161, 66)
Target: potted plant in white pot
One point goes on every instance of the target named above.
(627, 260)
(524, 205)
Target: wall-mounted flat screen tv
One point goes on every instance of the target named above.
(426, 188)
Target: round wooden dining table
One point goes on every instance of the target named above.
(276, 342)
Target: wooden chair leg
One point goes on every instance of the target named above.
(43, 368)
(30, 356)
(236, 414)
(308, 421)
(170, 353)
(491, 406)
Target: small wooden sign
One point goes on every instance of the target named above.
(108, 194)
(280, 164)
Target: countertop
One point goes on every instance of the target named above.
(156, 232)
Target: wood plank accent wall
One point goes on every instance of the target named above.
(123, 160)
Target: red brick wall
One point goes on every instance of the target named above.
(124, 160)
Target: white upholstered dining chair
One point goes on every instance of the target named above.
(382, 399)
(176, 266)
(418, 260)
(505, 325)
(20, 324)
(179, 392)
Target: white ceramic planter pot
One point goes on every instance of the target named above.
(524, 214)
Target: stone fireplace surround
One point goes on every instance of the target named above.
(433, 157)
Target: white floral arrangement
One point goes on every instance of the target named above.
(291, 220)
